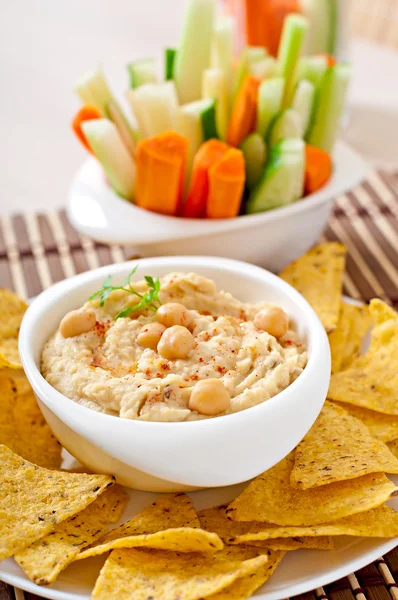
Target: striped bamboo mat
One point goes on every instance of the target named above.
(37, 250)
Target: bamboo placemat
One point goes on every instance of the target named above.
(37, 250)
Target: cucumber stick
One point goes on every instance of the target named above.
(264, 68)
(154, 106)
(287, 124)
(255, 155)
(93, 89)
(303, 103)
(193, 55)
(270, 96)
(215, 86)
(170, 55)
(318, 13)
(283, 178)
(290, 47)
(142, 71)
(330, 106)
(222, 51)
(108, 147)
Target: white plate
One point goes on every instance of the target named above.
(300, 571)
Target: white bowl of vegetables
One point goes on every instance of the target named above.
(229, 157)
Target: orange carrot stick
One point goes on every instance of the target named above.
(244, 112)
(318, 168)
(86, 113)
(264, 21)
(161, 162)
(226, 185)
(208, 154)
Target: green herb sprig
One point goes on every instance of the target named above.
(149, 300)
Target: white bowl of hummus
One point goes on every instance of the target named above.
(176, 372)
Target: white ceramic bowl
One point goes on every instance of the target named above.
(173, 456)
(270, 239)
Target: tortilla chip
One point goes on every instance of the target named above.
(233, 532)
(246, 586)
(170, 523)
(378, 522)
(34, 500)
(383, 427)
(318, 276)
(12, 309)
(288, 544)
(381, 312)
(271, 498)
(338, 447)
(393, 446)
(18, 379)
(44, 560)
(143, 574)
(371, 381)
(9, 355)
(345, 341)
(23, 428)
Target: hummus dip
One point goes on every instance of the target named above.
(108, 369)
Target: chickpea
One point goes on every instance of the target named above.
(209, 397)
(272, 319)
(176, 342)
(173, 313)
(78, 321)
(149, 335)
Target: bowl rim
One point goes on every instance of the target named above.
(50, 396)
(349, 168)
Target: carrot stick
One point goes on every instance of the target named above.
(331, 61)
(161, 162)
(86, 113)
(208, 154)
(318, 168)
(244, 112)
(226, 185)
(264, 21)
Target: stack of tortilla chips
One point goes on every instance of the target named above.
(334, 483)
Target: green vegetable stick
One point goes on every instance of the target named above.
(193, 55)
(330, 107)
(270, 95)
(142, 71)
(293, 36)
(170, 55)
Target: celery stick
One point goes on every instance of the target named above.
(109, 149)
(129, 134)
(333, 19)
(264, 68)
(320, 26)
(293, 36)
(142, 71)
(222, 53)
(93, 89)
(282, 180)
(303, 103)
(270, 94)
(170, 55)
(330, 107)
(215, 86)
(187, 121)
(154, 107)
(193, 55)
(287, 124)
(249, 56)
(255, 154)
(312, 68)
